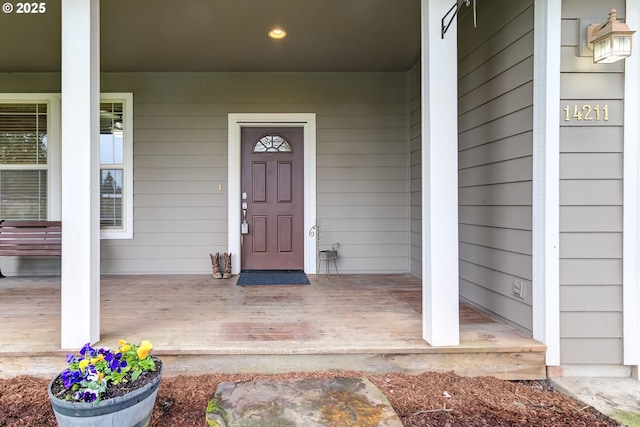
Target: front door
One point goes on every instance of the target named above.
(272, 198)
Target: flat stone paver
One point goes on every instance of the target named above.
(339, 402)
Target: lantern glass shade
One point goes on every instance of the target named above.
(611, 48)
(611, 40)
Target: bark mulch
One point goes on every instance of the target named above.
(430, 399)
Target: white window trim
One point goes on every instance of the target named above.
(127, 194)
(53, 143)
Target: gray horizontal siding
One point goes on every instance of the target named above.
(495, 89)
(509, 193)
(586, 298)
(511, 147)
(590, 9)
(576, 271)
(518, 217)
(590, 351)
(585, 244)
(362, 143)
(508, 239)
(180, 162)
(608, 324)
(517, 122)
(591, 222)
(595, 219)
(415, 173)
(514, 264)
(591, 192)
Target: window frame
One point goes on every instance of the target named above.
(53, 168)
(54, 155)
(126, 232)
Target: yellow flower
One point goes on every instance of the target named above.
(144, 349)
(83, 364)
(125, 348)
(100, 376)
(98, 358)
(121, 342)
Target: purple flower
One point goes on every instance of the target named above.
(88, 351)
(87, 395)
(114, 361)
(92, 374)
(69, 378)
(104, 350)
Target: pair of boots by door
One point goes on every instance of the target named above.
(218, 273)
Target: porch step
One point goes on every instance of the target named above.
(503, 365)
(507, 365)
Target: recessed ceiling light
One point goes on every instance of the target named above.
(277, 33)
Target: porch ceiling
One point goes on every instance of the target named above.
(227, 35)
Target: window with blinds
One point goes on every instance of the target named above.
(30, 160)
(24, 169)
(111, 165)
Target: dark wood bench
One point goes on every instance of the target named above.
(30, 238)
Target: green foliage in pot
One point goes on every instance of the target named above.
(97, 373)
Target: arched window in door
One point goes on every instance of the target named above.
(272, 143)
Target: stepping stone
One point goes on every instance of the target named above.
(308, 402)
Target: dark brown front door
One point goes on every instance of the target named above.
(272, 187)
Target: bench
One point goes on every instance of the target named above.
(30, 238)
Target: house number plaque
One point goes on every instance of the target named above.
(586, 112)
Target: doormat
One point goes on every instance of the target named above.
(272, 277)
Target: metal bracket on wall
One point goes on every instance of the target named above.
(453, 12)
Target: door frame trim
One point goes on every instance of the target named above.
(236, 121)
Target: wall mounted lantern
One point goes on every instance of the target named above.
(610, 40)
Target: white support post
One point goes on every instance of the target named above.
(546, 177)
(440, 272)
(631, 214)
(80, 270)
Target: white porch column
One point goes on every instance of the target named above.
(80, 173)
(546, 177)
(440, 277)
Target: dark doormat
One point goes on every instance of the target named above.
(272, 277)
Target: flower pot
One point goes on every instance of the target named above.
(131, 410)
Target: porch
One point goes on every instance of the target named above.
(200, 324)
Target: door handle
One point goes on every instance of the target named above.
(244, 227)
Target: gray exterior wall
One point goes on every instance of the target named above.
(180, 159)
(590, 198)
(415, 142)
(495, 89)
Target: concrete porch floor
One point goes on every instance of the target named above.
(200, 324)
